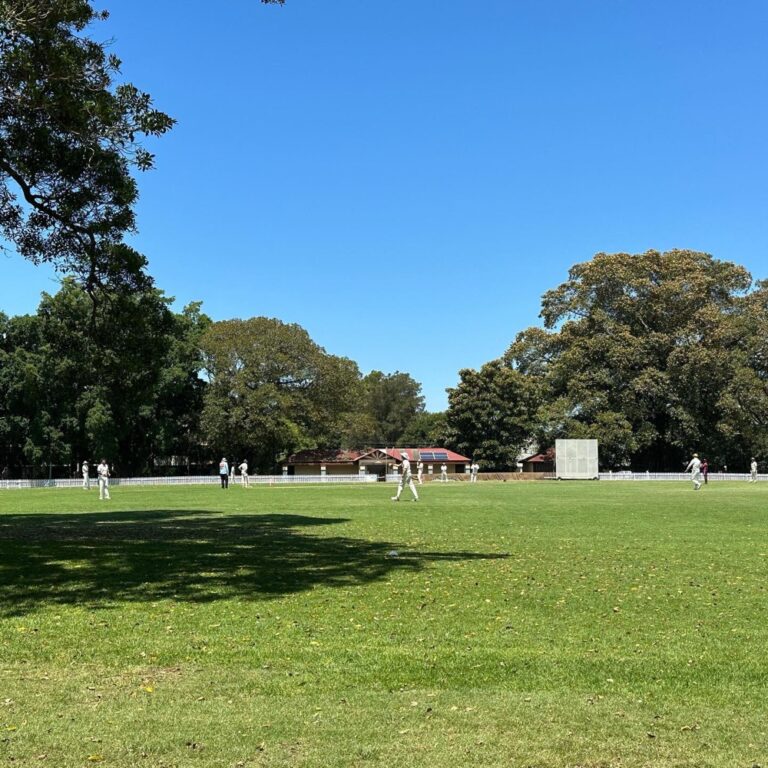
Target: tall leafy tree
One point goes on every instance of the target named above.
(69, 138)
(491, 413)
(387, 404)
(272, 390)
(428, 430)
(744, 401)
(125, 387)
(632, 354)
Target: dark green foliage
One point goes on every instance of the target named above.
(273, 391)
(427, 430)
(491, 414)
(387, 404)
(651, 354)
(124, 386)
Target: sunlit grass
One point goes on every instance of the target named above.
(546, 624)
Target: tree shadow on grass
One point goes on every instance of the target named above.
(96, 560)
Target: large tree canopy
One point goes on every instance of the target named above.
(387, 404)
(272, 391)
(641, 352)
(125, 387)
(491, 414)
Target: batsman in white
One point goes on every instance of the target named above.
(405, 477)
(694, 465)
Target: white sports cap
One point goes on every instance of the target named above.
(404, 454)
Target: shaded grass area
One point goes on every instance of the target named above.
(524, 625)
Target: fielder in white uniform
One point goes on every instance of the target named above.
(244, 473)
(694, 465)
(103, 474)
(474, 468)
(420, 472)
(443, 473)
(753, 471)
(86, 476)
(405, 477)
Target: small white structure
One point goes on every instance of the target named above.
(576, 460)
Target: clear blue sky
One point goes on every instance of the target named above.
(405, 179)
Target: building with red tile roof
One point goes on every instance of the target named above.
(378, 461)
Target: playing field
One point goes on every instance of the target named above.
(542, 624)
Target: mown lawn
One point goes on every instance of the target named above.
(547, 624)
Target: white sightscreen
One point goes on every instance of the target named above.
(576, 459)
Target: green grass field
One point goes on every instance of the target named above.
(530, 625)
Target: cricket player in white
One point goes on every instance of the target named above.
(474, 468)
(102, 472)
(694, 465)
(406, 477)
(86, 476)
(420, 472)
(244, 473)
(443, 473)
(753, 471)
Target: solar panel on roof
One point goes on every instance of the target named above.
(428, 455)
(441, 455)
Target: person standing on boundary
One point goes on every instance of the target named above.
(420, 472)
(443, 473)
(102, 472)
(224, 472)
(705, 471)
(406, 477)
(244, 473)
(474, 468)
(86, 476)
(753, 471)
(694, 465)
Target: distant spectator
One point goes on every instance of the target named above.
(224, 473)
(704, 470)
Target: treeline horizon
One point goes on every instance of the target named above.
(655, 355)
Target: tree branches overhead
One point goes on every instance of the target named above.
(69, 139)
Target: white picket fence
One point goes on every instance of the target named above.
(713, 476)
(329, 479)
(195, 480)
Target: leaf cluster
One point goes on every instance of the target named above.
(69, 137)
